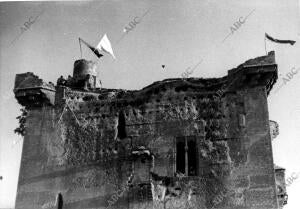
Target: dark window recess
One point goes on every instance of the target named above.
(59, 201)
(122, 126)
(186, 156)
(180, 159)
(192, 157)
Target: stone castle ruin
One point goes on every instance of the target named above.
(177, 143)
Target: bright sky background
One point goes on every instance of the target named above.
(175, 33)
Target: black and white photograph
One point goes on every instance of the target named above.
(150, 104)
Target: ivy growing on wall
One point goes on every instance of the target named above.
(21, 130)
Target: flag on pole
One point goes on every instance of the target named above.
(279, 41)
(105, 45)
(95, 50)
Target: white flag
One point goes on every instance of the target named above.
(105, 45)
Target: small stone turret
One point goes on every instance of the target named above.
(84, 76)
(84, 67)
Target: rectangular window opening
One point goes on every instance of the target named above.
(186, 156)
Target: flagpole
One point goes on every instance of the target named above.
(80, 48)
(266, 46)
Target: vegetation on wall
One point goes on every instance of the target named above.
(21, 130)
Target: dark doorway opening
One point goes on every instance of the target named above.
(59, 201)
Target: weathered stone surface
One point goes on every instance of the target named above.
(82, 147)
(274, 129)
(281, 185)
(30, 91)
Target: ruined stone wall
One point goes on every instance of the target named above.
(38, 171)
(83, 147)
(88, 163)
(252, 177)
(185, 113)
(281, 186)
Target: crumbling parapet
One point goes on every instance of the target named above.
(30, 91)
(260, 71)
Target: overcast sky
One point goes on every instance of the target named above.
(174, 33)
